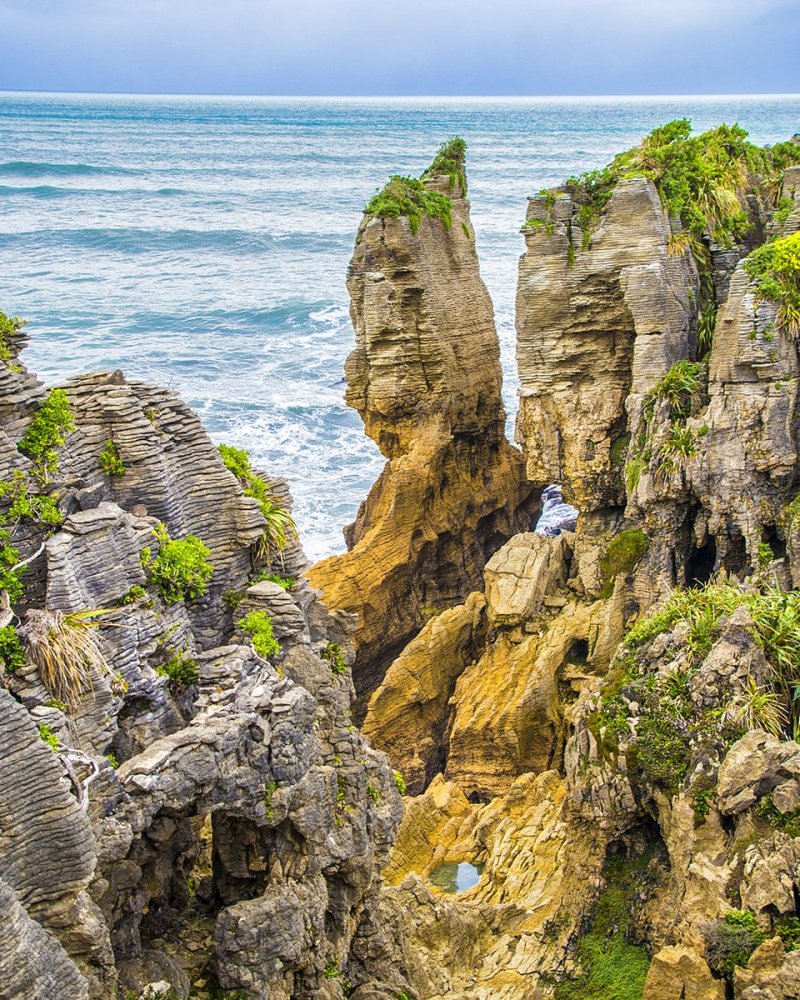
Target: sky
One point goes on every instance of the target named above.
(401, 47)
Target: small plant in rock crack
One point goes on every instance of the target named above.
(180, 670)
(49, 737)
(269, 789)
(110, 460)
(12, 654)
(332, 654)
(258, 625)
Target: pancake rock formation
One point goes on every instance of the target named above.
(425, 378)
(185, 805)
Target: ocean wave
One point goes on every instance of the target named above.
(132, 240)
(30, 168)
(36, 191)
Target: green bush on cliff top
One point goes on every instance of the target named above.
(9, 326)
(701, 179)
(409, 197)
(775, 271)
(451, 160)
(46, 434)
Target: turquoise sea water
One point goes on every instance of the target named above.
(202, 243)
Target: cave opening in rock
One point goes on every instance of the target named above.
(769, 535)
(578, 652)
(701, 563)
(735, 559)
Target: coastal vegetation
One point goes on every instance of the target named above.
(280, 528)
(180, 570)
(65, 649)
(258, 626)
(47, 433)
(412, 198)
(110, 460)
(775, 271)
(180, 670)
(9, 327)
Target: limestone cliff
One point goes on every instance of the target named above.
(626, 788)
(425, 378)
(180, 807)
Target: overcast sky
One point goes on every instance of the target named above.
(402, 47)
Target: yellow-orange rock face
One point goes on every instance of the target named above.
(425, 377)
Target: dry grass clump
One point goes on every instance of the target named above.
(65, 649)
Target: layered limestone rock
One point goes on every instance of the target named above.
(177, 808)
(425, 378)
(594, 326)
(616, 796)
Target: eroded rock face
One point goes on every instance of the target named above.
(425, 377)
(594, 326)
(238, 825)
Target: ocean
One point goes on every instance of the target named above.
(203, 242)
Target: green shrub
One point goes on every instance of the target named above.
(788, 928)
(332, 654)
(136, 593)
(764, 555)
(660, 751)
(451, 160)
(9, 327)
(400, 782)
(280, 528)
(181, 570)
(258, 625)
(731, 941)
(623, 554)
(46, 434)
(373, 793)
(112, 760)
(37, 507)
(49, 737)
(409, 197)
(11, 652)
(180, 670)
(774, 269)
(110, 460)
(10, 577)
(332, 970)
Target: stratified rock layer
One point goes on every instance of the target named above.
(225, 825)
(425, 377)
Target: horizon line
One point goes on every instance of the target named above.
(397, 97)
